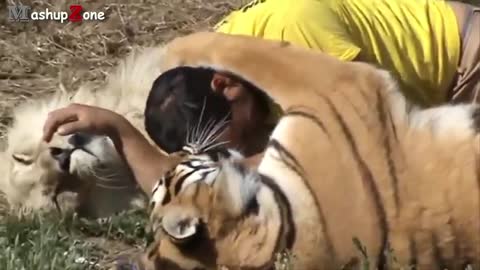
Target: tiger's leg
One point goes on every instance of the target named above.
(245, 56)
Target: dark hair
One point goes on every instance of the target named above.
(175, 103)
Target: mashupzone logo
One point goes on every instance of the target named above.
(23, 13)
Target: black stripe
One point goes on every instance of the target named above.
(289, 228)
(168, 180)
(364, 95)
(298, 169)
(476, 119)
(153, 251)
(286, 157)
(357, 110)
(369, 181)
(392, 124)
(392, 170)
(179, 183)
(313, 118)
(167, 198)
(413, 253)
(437, 253)
(288, 232)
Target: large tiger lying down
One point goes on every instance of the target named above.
(350, 158)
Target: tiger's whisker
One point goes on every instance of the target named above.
(199, 123)
(216, 131)
(187, 138)
(212, 146)
(205, 131)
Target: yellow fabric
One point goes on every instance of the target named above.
(416, 40)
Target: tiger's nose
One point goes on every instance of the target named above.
(62, 156)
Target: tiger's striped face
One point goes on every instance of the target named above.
(194, 205)
(196, 167)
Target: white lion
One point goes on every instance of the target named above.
(84, 165)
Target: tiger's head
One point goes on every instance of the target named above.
(85, 169)
(210, 211)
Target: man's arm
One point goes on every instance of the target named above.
(145, 161)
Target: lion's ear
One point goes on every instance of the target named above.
(235, 188)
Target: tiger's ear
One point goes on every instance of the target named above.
(180, 225)
(235, 188)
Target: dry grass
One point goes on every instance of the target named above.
(37, 57)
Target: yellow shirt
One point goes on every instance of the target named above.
(416, 40)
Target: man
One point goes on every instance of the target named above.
(172, 111)
(186, 101)
(431, 46)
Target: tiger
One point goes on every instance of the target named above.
(350, 158)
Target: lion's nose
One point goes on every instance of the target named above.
(62, 156)
(79, 139)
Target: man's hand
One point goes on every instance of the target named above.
(80, 118)
(146, 163)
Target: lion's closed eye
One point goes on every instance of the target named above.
(22, 159)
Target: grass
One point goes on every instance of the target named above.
(37, 59)
(50, 241)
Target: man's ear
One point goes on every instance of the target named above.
(220, 82)
(235, 188)
(180, 225)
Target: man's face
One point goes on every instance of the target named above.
(243, 108)
(240, 97)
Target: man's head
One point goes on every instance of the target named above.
(180, 96)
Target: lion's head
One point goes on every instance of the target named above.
(87, 166)
(83, 164)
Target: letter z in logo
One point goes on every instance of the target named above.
(76, 15)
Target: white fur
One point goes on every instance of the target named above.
(443, 121)
(239, 188)
(125, 92)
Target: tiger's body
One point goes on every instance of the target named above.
(350, 158)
